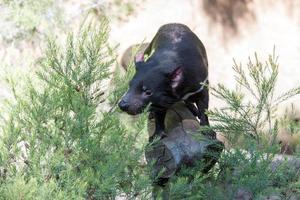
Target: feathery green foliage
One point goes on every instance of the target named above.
(250, 110)
(59, 139)
(250, 126)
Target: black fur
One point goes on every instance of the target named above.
(177, 66)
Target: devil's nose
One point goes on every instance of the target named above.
(123, 105)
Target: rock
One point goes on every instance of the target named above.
(183, 146)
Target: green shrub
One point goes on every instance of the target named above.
(250, 108)
(60, 139)
(250, 126)
(57, 140)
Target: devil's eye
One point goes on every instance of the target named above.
(147, 91)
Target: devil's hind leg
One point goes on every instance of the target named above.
(201, 101)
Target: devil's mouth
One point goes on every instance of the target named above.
(135, 112)
(149, 108)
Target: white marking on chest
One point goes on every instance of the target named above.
(186, 96)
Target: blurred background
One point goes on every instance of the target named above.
(229, 30)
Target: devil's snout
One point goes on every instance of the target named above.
(132, 103)
(123, 105)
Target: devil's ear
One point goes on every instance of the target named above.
(176, 77)
(138, 59)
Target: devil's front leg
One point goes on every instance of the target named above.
(159, 118)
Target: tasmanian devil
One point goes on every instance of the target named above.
(176, 69)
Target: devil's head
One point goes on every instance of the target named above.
(154, 82)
